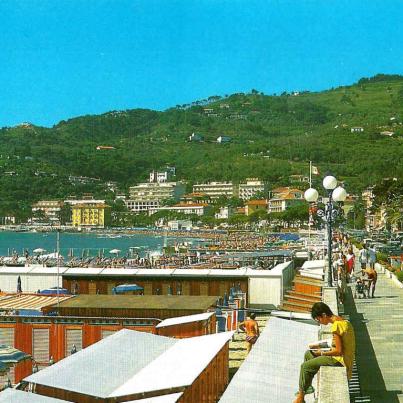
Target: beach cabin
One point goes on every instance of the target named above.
(188, 326)
(130, 365)
(135, 306)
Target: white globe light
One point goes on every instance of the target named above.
(311, 195)
(329, 182)
(339, 194)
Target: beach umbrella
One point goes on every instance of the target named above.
(39, 250)
(114, 251)
(19, 288)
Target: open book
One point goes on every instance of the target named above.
(324, 345)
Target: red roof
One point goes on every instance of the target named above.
(262, 202)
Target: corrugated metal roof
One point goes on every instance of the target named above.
(18, 396)
(111, 362)
(183, 302)
(37, 302)
(185, 319)
(130, 362)
(271, 370)
(179, 366)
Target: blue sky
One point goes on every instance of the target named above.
(65, 58)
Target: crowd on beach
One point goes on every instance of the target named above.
(246, 242)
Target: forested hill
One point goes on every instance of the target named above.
(272, 136)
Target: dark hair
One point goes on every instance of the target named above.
(253, 315)
(320, 308)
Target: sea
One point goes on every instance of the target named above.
(95, 244)
(85, 244)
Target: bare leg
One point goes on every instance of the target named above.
(248, 347)
(373, 288)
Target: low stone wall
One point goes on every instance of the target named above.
(332, 381)
(382, 269)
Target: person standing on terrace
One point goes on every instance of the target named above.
(341, 353)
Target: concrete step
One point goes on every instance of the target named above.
(294, 298)
(315, 297)
(295, 307)
(310, 279)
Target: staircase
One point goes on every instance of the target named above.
(304, 293)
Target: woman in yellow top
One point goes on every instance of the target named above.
(341, 353)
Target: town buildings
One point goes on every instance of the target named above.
(90, 213)
(217, 189)
(251, 187)
(49, 208)
(373, 219)
(252, 206)
(285, 197)
(185, 208)
(150, 195)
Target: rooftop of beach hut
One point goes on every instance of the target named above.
(11, 395)
(274, 361)
(140, 363)
(185, 319)
(29, 301)
(149, 302)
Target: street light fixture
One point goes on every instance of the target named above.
(329, 214)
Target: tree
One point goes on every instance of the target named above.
(40, 216)
(64, 214)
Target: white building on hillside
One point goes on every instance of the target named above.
(249, 188)
(150, 195)
(197, 209)
(216, 189)
(155, 191)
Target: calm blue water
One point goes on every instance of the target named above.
(90, 243)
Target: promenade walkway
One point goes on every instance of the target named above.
(378, 324)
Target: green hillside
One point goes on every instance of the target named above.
(272, 137)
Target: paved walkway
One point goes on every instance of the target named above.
(378, 323)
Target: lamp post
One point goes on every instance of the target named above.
(329, 214)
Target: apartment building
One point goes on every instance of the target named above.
(154, 191)
(251, 186)
(285, 197)
(150, 195)
(197, 208)
(50, 208)
(90, 214)
(217, 189)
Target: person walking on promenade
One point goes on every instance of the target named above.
(341, 353)
(372, 277)
(363, 257)
(350, 263)
(371, 257)
(342, 278)
(251, 328)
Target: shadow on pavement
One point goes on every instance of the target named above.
(371, 379)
